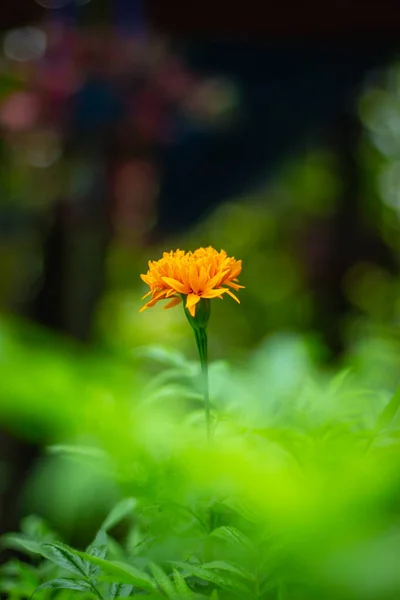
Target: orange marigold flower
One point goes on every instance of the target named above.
(199, 274)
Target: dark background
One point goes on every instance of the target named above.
(300, 67)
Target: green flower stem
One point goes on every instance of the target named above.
(199, 325)
(201, 340)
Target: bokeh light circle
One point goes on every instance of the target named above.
(24, 44)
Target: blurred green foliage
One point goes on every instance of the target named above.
(379, 110)
(297, 497)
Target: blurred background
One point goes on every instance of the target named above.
(129, 127)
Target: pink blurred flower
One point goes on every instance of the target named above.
(19, 111)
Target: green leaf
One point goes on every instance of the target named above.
(163, 581)
(390, 411)
(120, 590)
(98, 548)
(17, 577)
(165, 356)
(225, 566)
(182, 587)
(241, 508)
(100, 542)
(117, 571)
(167, 377)
(65, 557)
(36, 528)
(21, 570)
(336, 383)
(20, 542)
(173, 391)
(119, 512)
(234, 537)
(226, 582)
(66, 584)
(77, 451)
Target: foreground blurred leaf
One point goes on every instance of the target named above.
(65, 557)
(120, 590)
(67, 584)
(118, 513)
(35, 532)
(389, 412)
(165, 356)
(19, 542)
(234, 585)
(233, 536)
(221, 565)
(182, 587)
(97, 548)
(163, 581)
(19, 578)
(118, 571)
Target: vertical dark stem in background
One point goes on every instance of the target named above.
(47, 307)
(350, 236)
(345, 231)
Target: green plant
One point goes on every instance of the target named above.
(297, 497)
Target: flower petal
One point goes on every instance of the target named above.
(214, 293)
(160, 294)
(203, 273)
(194, 279)
(202, 278)
(149, 304)
(173, 302)
(176, 285)
(216, 280)
(235, 286)
(156, 297)
(233, 296)
(191, 302)
(192, 299)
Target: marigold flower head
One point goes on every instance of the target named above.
(204, 273)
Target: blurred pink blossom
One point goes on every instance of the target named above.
(19, 111)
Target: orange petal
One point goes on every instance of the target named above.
(233, 296)
(173, 302)
(192, 299)
(176, 285)
(145, 278)
(235, 286)
(194, 279)
(216, 279)
(150, 304)
(214, 293)
(160, 294)
(145, 296)
(191, 302)
(202, 279)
